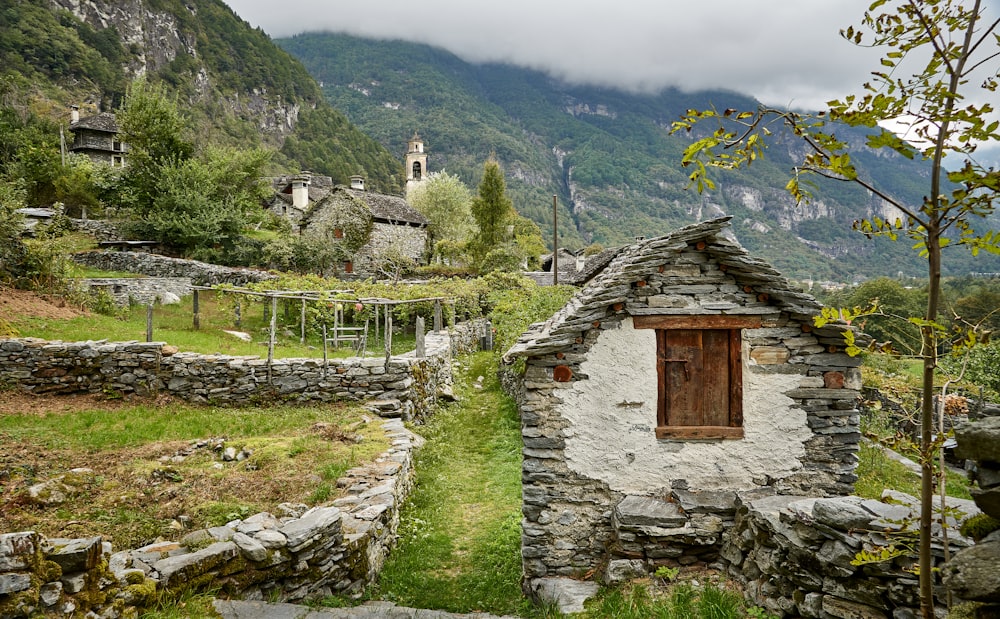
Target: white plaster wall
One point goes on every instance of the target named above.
(612, 419)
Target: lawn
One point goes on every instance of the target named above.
(174, 324)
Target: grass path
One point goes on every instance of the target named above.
(459, 546)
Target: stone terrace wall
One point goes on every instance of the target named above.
(142, 290)
(328, 549)
(792, 555)
(101, 229)
(155, 265)
(404, 386)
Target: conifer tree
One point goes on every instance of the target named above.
(492, 210)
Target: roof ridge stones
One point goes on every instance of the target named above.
(613, 285)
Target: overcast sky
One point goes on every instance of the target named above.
(783, 52)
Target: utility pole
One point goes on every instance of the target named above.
(555, 243)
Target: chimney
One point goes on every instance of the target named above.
(300, 190)
(358, 182)
(74, 114)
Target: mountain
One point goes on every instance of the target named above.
(609, 156)
(236, 86)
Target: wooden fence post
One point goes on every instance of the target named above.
(421, 350)
(302, 336)
(438, 323)
(270, 340)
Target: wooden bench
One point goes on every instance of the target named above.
(346, 334)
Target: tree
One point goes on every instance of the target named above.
(205, 203)
(946, 47)
(151, 124)
(445, 201)
(493, 211)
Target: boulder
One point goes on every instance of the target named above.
(972, 573)
(843, 513)
(567, 594)
(979, 440)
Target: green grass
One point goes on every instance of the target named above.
(682, 600)
(109, 428)
(460, 532)
(136, 493)
(876, 471)
(174, 324)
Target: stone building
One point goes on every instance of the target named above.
(316, 206)
(97, 137)
(686, 377)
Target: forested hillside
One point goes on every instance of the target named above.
(236, 87)
(607, 155)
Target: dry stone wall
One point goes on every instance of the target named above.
(297, 554)
(142, 290)
(401, 386)
(793, 555)
(155, 265)
(972, 573)
(290, 556)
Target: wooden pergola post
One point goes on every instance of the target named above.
(195, 309)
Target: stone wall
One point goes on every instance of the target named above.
(298, 554)
(336, 548)
(409, 241)
(141, 290)
(100, 229)
(155, 265)
(404, 386)
(793, 555)
(972, 573)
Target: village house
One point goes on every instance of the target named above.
(374, 225)
(97, 137)
(685, 378)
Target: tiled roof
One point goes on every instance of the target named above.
(613, 284)
(105, 121)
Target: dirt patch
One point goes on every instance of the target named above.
(16, 303)
(162, 489)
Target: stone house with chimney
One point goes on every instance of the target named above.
(97, 137)
(368, 225)
(686, 377)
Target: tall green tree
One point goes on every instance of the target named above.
(154, 129)
(446, 202)
(939, 55)
(197, 203)
(492, 210)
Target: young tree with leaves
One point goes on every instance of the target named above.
(939, 55)
(446, 202)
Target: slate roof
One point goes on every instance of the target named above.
(105, 121)
(392, 209)
(592, 266)
(612, 284)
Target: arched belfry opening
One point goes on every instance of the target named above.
(416, 172)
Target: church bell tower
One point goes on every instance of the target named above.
(416, 162)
